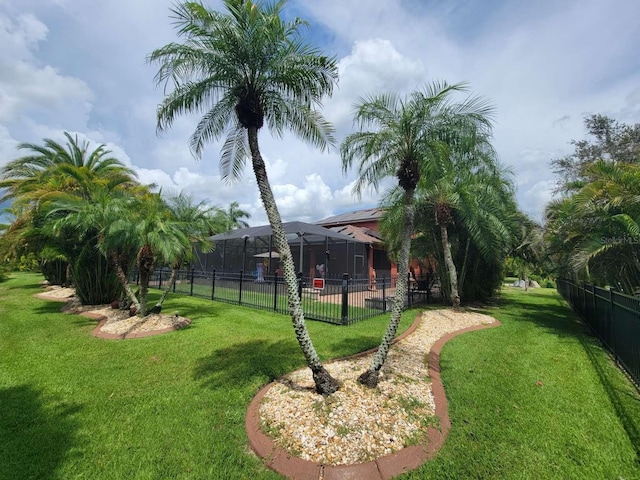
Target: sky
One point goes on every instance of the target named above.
(80, 66)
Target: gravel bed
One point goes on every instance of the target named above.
(357, 424)
(118, 321)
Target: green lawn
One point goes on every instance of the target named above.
(535, 398)
(170, 406)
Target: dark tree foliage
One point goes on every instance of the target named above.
(610, 140)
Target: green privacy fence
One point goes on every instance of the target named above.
(613, 316)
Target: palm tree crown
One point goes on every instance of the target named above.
(243, 68)
(54, 167)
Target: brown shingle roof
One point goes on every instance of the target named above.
(352, 217)
(359, 234)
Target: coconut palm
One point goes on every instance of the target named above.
(245, 68)
(398, 138)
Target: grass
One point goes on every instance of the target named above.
(163, 407)
(317, 309)
(535, 398)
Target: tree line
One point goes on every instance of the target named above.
(593, 227)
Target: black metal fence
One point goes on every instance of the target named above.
(338, 300)
(613, 316)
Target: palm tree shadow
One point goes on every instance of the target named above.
(254, 361)
(37, 433)
(557, 318)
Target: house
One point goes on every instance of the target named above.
(363, 226)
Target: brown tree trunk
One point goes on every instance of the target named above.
(325, 383)
(145, 267)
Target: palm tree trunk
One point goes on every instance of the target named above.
(325, 383)
(172, 280)
(463, 271)
(370, 377)
(453, 275)
(124, 281)
(145, 267)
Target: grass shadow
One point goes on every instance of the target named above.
(623, 397)
(36, 433)
(556, 317)
(256, 360)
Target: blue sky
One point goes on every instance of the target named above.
(79, 66)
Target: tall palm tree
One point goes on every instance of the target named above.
(464, 176)
(247, 67)
(398, 138)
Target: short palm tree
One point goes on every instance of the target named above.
(235, 216)
(245, 68)
(72, 169)
(199, 222)
(596, 230)
(464, 177)
(398, 138)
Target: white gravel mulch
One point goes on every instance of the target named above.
(357, 424)
(118, 321)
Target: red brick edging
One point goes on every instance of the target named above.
(383, 468)
(115, 336)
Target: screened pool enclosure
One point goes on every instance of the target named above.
(317, 252)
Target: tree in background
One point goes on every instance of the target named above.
(245, 68)
(612, 141)
(594, 229)
(399, 137)
(234, 217)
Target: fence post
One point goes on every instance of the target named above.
(192, 274)
(160, 279)
(611, 329)
(275, 293)
(175, 280)
(345, 298)
(299, 275)
(213, 284)
(409, 292)
(240, 289)
(384, 293)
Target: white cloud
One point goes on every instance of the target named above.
(26, 86)
(544, 64)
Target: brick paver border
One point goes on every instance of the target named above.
(383, 468)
